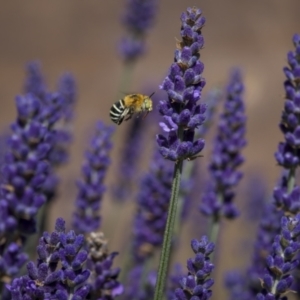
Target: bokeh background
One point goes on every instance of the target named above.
(82, 36)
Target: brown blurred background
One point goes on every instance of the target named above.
(81, 37)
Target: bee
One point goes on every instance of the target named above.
(129, 105)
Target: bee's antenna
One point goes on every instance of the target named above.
(151, 94)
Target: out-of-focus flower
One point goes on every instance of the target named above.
(86, 217)
(138, 19)
(152, 208)
(26, 167)
(182, 114)
(35, 82)
(130, 154)
(226, 158)
(288, 153)
(140, 284)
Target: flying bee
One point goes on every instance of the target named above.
(129, 105)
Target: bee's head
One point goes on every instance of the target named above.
(148, 103)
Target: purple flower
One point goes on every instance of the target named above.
(140, 284)
(182, 115)
(130, 154)
(12, 260)
(103, 280)
(153, 201)
(226, 157)
(68, 90)
(91, 188)
(246, 286)
(26, 167)
(35, 82)
(288, 152)
(58, 154)
(197, 283)
(277, 280)
(138, 19)
(59, 272)
(174, 279)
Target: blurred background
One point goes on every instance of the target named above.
(82, 37)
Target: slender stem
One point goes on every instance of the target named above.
(165, 252)
(291, 179)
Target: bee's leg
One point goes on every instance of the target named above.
(128, 117)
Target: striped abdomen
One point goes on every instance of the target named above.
(117, 112)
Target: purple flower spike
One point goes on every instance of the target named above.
(197, 283)
(91, 188)
(35, 82)
(26, 167)
(138, 20)
(288, 152)
(182, 114)
(130, 154)
(103, 280)
(226, 156)
(277, 280)
(151, 215)
(59, 272)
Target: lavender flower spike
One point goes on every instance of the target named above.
(277, 280)
(138, 19)
(59, 272)
(151, 215)
(91, 187)
(197, 284)
(181, 113)
(103, 280)
(227, 156)
(288, 153)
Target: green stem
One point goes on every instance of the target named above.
(291, 179)
(165, 252)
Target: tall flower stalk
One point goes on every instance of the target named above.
(182, 114)
(226, 158)
(91, 187)
(25, 170)
(138, 19)
(277, 278)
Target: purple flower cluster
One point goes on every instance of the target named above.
(58, 155)
(197, 284)
(26, 167)
(288, 153)
(153, 201)
(59, 272)
(130, 155)
(35, 82)
(140, 284)
(227, 156)
(277, 280)
(138, 19)
(91, 188)
(212, 99)
(103, 280)
(246, 286)
(181, 113)
(60, 152)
